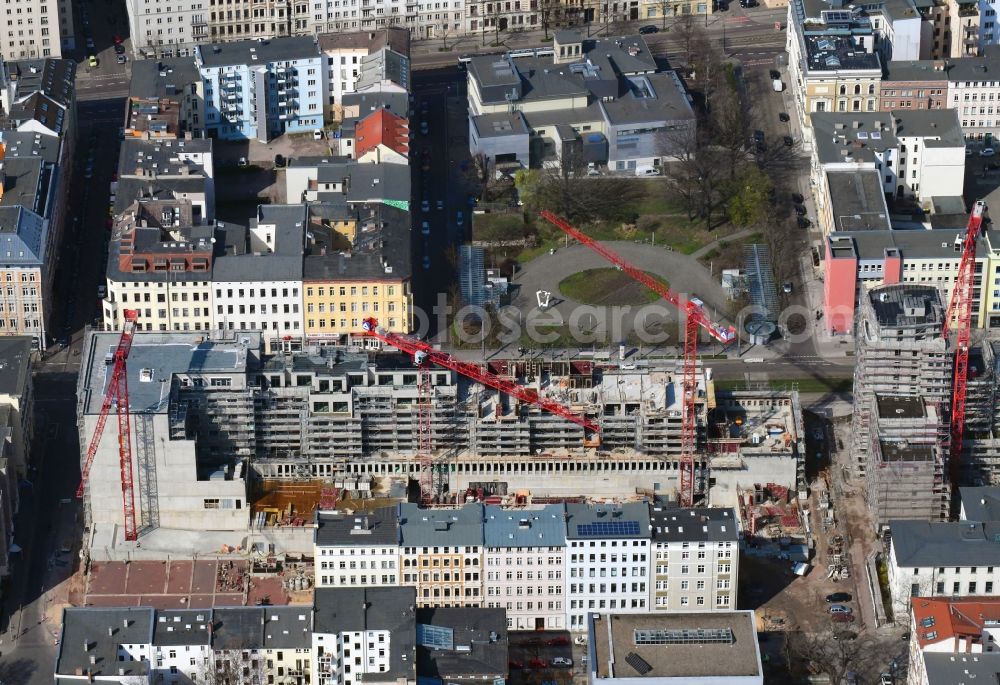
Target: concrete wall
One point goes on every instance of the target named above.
(754, 469)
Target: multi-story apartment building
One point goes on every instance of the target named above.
(833, 63)
(16, 435)
(918, 154)
(524, 558)
(181, 170)
(372, 280)
(262, 89)
(661, 11)
(587, 101)
(261, 289)
(953, 640)
(364, 635)
(246, 20)
(695, 558)
(942, 558)
(357, 550)
(364, 61)
(607, 560)
(165, 99)
(441, 554)
(159, 32)
(974, 92)
(915, 84)
(35, 28)
(900, 353)
(227, 644)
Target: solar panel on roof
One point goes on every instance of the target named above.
(607, 529)
(641, 666)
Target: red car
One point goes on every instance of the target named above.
(558, 642)
(538, 663)
(119, 40)
(842, 618)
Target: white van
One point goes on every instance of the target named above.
(647, 171)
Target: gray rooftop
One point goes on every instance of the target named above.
(287, 627)
(434, 527)
(249, 267)
(842, 137)
(384, 65)
(162, 158)
(981, 503)
(914, 70)
(906, 305)
(545, 527)
(163, 78)
(500, 124)
(984, 68)
(15, 363)
(653, 97)
(857, 201)
(838, 53)
(25, 182)
(379, 182)
(607, 521)
(340, 610)
(920, 544)
(22, 236)
(618, 655)
(900, 407)
(479, 638)
(238, 628)
(379, 527)
(383, 240)
(375, 98)
(289, 222)
(700, 524)
(30, 144)
(243, 52)
(960, 669)
(86, 646)
(917, 244)
(155, 358)
(182, 627)
(55, 78)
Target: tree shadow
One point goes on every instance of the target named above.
(17, 670)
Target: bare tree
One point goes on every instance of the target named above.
(695, 174)
(834, 653)
(687, 31)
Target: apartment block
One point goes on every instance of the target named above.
(145, 645)
(940, 559)
(165, 99)
(357, 550)
(695, 559)
(673, 649)
(907, 460)
(363, 61)
(165, 33)
(900, 353)
(953, 640)
(914, 84)
(366, 635)
(524, 555)
(607, 554)
(441, 553)
(262, 89)
(246, 20)
(17, 429)
(833, 63)
(612, 106)
(38, 31)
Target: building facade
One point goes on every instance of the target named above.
(159, 32)
(357, 550)
(35, 28)
(441, 554)
(524, 558)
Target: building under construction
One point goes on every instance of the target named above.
(981, 446)
(218, 427)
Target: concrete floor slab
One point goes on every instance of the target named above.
(203, 578)
(107, 579)
(146, 577)
(179, 577)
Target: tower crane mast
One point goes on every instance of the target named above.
(960, 311)
(117, 395)
(696, 317)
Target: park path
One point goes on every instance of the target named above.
(705, 249)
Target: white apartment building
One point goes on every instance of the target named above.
(366, 61)
(607, 560)
(524, 556)
(441, 554)
(695, 554)
(364, 636)
(182, 645)
(357, 550)
(261, 289)
(33, 28)
(974, 92)
(173, 30)
(942, 559)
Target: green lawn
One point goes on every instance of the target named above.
(497, 227)
(607, 286)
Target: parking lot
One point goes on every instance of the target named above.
(542, 657)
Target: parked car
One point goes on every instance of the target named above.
(279, 161)
(563, 662)
(783, 117)
(92, 61)
(424, 130)
(537, 663)
(558, 641)
(803, 222)
(425, 205)
(787, 288)
(797, 198)
(836, 596)
(119, 40)
(987, 152)
(425, 228)
(318, 134)
(746, 4)
(788, 141)
(242, 162)
(440, 205)
(427, 262)
(647, 29)
(886, 679)
(102, 290)
(839, 609)
(842, 618)
(800, 210)
(119, 49)
(121, 59)
(845, 635)
(775, 74)
(459, 217)
(968, 151)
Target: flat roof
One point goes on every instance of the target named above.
(838, 53)
(272, 50)
(479, 638)
(857, 201)
(893, 407)
(162, 78)
(902, 305)
(675, 645)
(500, 124)
(700, 524)
(379, 527)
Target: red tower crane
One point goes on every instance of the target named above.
(960, 311)
(117, 395)
(696, 317)
(423, 356)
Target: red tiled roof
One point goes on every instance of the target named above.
(382, 128)
(938, 619)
